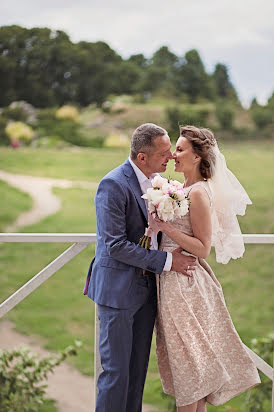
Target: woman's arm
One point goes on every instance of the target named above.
(200, 243)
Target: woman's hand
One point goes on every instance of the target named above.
(158, 225)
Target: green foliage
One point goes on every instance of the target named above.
(16, 114)
(224, 87)
(258, 396)
(88, 72)
(188, 115)
(68, 130)
(262, 116)
(4, 139)
(13, 202)
(225, 115)
(19, 131)
(192, 79)
(22, 374)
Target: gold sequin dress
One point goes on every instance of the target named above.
(200, 353)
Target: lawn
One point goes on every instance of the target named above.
(57, 313)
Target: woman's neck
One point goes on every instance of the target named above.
(191, 179)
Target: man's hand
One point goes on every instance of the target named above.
(182, 263)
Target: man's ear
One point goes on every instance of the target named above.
(142, 157)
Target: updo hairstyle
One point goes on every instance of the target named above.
(203, 142)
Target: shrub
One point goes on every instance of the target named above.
(23, 109)
(257, 396)
(22, 374)
(225, 115)
(4, 139)
(15, 113)
(188, 115)
(117, 140)
(68, 112)
(106, 106)
(262, 116)
(17, 131)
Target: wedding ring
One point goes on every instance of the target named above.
(188, 268)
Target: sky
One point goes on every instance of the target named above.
(237, 33)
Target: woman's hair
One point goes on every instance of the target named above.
(203, 142)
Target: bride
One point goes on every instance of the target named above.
(201, 358)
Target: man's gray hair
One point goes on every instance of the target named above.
(143, 138)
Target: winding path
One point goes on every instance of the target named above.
(45, 203)
(72, 390)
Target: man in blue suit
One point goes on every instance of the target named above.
(126, 298)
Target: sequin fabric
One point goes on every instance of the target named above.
(200, 354)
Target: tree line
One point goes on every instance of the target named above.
(44, 68)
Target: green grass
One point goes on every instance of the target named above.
(12, 204)
(57, 313)
(49, 406)
(73, 164)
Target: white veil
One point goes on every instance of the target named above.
(229, 200)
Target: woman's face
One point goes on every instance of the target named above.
(184, 156)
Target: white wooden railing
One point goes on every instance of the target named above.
(80, 242)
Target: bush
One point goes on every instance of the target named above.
(117, 140)
(66, 130)
(21, 110)
(21, 378)
(257, 396)
(15, 114)
(106, 106)
(188, 115)
(262, 116)
(68, 112)
(4, 139)
(17, 131)
(225, 115)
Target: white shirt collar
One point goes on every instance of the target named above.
(140, 175)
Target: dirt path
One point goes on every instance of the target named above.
(45, 203)
(73, 391)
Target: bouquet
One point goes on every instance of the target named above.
(166, 199)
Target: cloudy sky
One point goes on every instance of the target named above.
(238, 33)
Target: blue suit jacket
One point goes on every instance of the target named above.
(117, 278)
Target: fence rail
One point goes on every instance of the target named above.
(80, 242)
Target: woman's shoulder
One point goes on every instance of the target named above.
(199, 191)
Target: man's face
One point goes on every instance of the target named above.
(159, 155)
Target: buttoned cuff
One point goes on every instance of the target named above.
(168, 263)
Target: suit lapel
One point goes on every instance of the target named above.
(135, 186)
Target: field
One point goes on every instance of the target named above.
(57, 313)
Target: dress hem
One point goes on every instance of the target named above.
(241, 390)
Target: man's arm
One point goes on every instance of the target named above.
(110, 205)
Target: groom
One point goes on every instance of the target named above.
(126, 298)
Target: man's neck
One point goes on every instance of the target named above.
(143, 170)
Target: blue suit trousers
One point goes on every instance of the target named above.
(125, 342)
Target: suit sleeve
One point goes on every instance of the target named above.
(110, 203)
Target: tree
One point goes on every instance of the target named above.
(160, 72)
(139, 60)
(192, 78)
(224, 87)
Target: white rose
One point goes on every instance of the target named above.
(181, 194)
(165, 209)
(166, 187)
(153, 195)
(183, 209)
(158, 181)
(176, 183)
